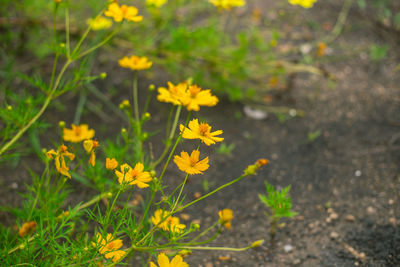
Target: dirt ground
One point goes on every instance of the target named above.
(345, 183)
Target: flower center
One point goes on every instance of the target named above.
(203, 128)
(194, 90)
(77, 130)
(124, 9)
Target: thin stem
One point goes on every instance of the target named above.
(41, 111)
(180, 192)
(67, 30)
(135, 97)
(88, 51)
(175, 123)
(216, 248)
(204, 232)
(94, 200)
(340, 22)
(80, 106)
(209, 194)
(112, 205)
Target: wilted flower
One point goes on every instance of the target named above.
(90, 146)
(59, 159)
(27, 228)
(191, 164)
(77, 133)
(200, 131)
(225, 218)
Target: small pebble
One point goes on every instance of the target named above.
(391, 202)
(330, 210)
(357, 173)
(14, 185)
(371, 210)
(296, 261)
(208, 264)
(334, 216)
(350, 218)
(334, 235)
(288, 248)
(185, 216)
(392, 220)
(197, 195)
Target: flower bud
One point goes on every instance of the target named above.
(257, 243)
(9, 108)
(151, 87)
(185, 252)
(103, 75)
(61, 124)
(146, 116)
(123, 131)
(153, 173)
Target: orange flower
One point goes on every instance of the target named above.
(27, 228)
(59, 160)
(77, 133)
(200, 131)
(135, 176)
(163, 261)
(173, 94)
(321, 49)
(191, 165)
(109, 247)
(167, 222)
(90, 146)
(111, 164)
(196, 97)
(225, 218)
(119, 13)
(135, 63)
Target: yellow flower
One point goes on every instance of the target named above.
(156, 3)
(303, 3)
(227, 4)
(200, 131)
(163, 261)
(321, 49)
(59, 160)
(109, 247)
(27, 228)
(124, 104)
(99, 23)
(119, 13)
(77, 133)
(90, 146)
(196, 97)
(167, 222)
(191, 165)
(135, 176)
(111, 164)
(135, 63)
(225, 218)
(173, 94)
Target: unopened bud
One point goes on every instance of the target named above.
(123, 131)
(62, 45)
(151, 87)
(153, 173)
(185, 252)
(109, 194)
(9, 108)
(257, 243)
(103, 75)
(61, 124)
(146, 116)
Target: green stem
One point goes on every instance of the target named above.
(209, 194)
(216, 248)
(204, 233)
(180, 193)
(80, 106)
(94, 200)
(135, 97)
(111, 208)
(41, 111)
(340, 22)
(175, 123)
(67, 31)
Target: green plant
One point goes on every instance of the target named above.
(378, 52)
(225, 149)
(311, 136)
(279, 204)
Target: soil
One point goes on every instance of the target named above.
(345, 183)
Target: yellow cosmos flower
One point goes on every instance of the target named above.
(173, 94)
(227, 4)
(109, 247)
(135, 63)
(135, 176)
(156, 3)
(169, 223)
(90, 146)
(163, 261)
(27, 228)
(191, 165)
(200, 131)
(303, 3)
(111, 164)
(119, 13)
(99, 23)
(77, 133)
(225, 218)
(196, 97)
(59, 159)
